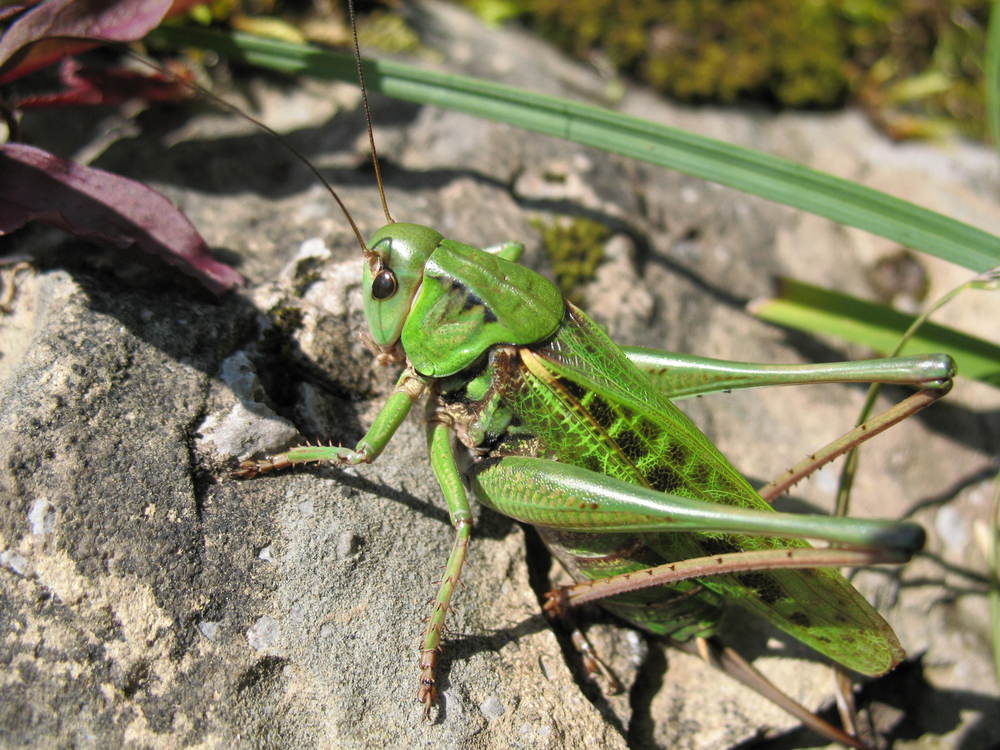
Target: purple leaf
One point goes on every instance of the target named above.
(12, 10)
(87, 86)
(100, 206)
(96, 20)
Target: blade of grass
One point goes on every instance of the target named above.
(816, 310)
(984, 281)
(992, 77)
(750, 171)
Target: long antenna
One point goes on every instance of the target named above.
(267, 129)
(368, 114)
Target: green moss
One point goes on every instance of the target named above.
(388, 32)
(304, 281)
(796, 53)
(575, 248)
(287, 319)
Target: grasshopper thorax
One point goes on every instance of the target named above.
(393, 271)
(447, 303)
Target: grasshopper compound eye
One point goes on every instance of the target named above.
(384, 285)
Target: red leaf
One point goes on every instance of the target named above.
(98, 205)
(47, 25)
(88, 86)
(12, 10)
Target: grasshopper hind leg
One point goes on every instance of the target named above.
(730, 663)
(595, 668)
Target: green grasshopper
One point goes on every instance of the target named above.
(538, 413)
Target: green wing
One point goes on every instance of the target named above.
(593, 408)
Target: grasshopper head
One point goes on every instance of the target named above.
(393, 271)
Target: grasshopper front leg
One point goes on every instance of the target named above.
(450, 479)
(408, 389)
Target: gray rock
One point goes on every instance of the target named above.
(139, 607)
